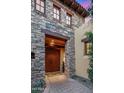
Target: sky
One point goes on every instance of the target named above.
(85, 3)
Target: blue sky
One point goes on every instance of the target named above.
(85, 3)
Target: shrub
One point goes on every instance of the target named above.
(90, 69)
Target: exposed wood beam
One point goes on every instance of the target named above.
(82, 13)
(75, 6)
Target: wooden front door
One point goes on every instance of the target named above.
(52, 60)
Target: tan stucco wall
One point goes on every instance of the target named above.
(82, 62)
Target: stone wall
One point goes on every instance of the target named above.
(39, 24)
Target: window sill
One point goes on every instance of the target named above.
(56, 20)
(40, 13)
(86, 56)
(69, 26)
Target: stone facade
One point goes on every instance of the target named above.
(40, 24)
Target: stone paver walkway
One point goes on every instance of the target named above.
(84, 81)
(61, 84)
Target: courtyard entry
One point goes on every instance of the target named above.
(54, 54)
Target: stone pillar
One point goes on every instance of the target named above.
(70, 57)
(38, 62)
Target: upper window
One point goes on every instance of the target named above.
(40, 5)
(68, 19)
(56, 12)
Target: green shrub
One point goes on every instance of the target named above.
(90, 69)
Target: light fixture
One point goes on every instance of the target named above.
(52, 43)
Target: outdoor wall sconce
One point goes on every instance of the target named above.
(32, 55)
(52, 43)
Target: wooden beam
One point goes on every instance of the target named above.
(62, 6)
(75, 6)
(82, 13)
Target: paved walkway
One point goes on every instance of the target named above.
(60, 84)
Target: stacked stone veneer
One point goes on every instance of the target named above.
(41, 22)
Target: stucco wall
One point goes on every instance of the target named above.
(82, 62)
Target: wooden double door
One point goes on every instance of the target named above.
(52, 59)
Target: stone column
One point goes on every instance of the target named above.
(37, 63)
(70, 57)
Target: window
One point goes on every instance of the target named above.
(68, 19)
(87, 47)
(56, 12)
(40, 5)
